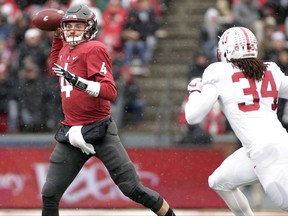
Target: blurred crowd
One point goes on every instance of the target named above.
(268, 19)
(29, 97)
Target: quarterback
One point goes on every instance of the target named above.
(248, 90)
(84, 68)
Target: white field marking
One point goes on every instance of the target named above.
(132, 212)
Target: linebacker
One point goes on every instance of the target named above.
(248, 90)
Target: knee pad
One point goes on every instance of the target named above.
(127, 178)
(217, 182)
(214, 182)
(147, 197)
(277, 188)
(129, 183)
(278, 195)
(48, 190)
(49, 194)
(211, 182)
(50, 204)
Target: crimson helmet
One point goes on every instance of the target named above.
(80, 13)
(237, 43)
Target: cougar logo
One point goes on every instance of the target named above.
(45, 19)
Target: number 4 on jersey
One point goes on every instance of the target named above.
(103, 68)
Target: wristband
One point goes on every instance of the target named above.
(93, 88)
(81, 83)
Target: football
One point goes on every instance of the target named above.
(48, 19)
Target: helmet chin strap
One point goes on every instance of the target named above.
(225, 56)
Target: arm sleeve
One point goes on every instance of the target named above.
(108, 90)
(99, 65)
(199, 104)
(57, 44)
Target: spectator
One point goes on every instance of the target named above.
(6, 89)
(33, 47)
(32, 83)
(52, 103)
(270, 27)
(198, 66)
(148, 17)
(128, 4)
(224, 8)
(134, 36)
(6, 55)
(5, 27)
(215, 123)
(157, 6)
(247, 13)
(102, 4)
(210, 30)
(114, 17)
(191, 134)
(139, 35)
(6, 95)
(21, 25)
(10, 9)
(282, 60)
(117, 106)
(282, 111)
(133, 103)
(278, 44)
(286, 27)
(280, 11)
(57, 4)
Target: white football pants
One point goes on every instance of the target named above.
(270, 167)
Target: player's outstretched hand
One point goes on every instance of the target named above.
(59, 71)
(57, 33)
(73, 79)
(195, 85)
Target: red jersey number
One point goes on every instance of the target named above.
(268, 89)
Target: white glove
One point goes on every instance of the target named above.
(76, 139)
(195, 85)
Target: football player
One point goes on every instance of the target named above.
(83, 66)
(248, 90)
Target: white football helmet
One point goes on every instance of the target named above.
(237, 43)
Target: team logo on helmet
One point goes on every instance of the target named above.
(237, 43)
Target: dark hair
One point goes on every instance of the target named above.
(251, 67)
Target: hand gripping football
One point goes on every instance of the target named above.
(48, 19)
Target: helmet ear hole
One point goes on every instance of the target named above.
(87, 36)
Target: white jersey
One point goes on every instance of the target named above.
(249, 106)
